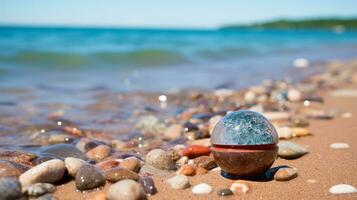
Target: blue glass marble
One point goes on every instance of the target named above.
(244, 127)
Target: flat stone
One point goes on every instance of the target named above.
(339, 145)
(11, 169)
(73, 165)
(202, 188)
(99, 152)
(225, 192)
(25, 158)
(178, 182)
(285, 174)
(148, 184)
(63, 151)
(39, 189)
(89, 177)
(342, 189)
(131, 163)
(206, 162)
(119, 173)
(10, 188)
(239, 187)
(126, 190)
(47, 172)
(290, 150)
(160, 159)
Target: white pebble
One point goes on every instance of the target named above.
(342, 189)
(340, 145)
(346, 115)
(239, 187)
(202, 188)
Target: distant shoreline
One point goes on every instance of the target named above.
(337, 24)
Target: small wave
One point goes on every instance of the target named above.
(225, 53)
(35, 58)
(149, 57)
(140, 58)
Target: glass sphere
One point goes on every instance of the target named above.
(244, 127)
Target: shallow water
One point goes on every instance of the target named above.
(91, 77)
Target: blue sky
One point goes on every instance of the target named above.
(165, 13)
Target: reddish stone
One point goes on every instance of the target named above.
(195, 151)
(108, 164)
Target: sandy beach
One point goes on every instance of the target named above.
(319, 170)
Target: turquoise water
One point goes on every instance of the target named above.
(160, 60)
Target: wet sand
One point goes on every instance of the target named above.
(325, 165)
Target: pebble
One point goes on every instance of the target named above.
(294, 95)
(160, 159)
(202, 142)
(60, 138)
(46, 197)
(10, 188)
(212, 122)
(99, 153)
(73, 164)
(39, 189)
(342, 189)
(290, 150)
(108, 164)
(178, 182)
(285, 174)
(239, 187)
(21, 157)
(89, 177)
(194, 151)
(86, 144)
(174, 131)
(188, 170)
(284, 132)
(224, 192)
(339, 145)
(206, 162)
(346, 115)
(63, 151)
(200, 171)
(47, 172)
(300, 132)
(126, 190)
(300, 122)
(250, 97)
(202, 188)
(11, 169)
(119, 173)
(148, 184)
(180, 162)
(150, 124)
(131, 163)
